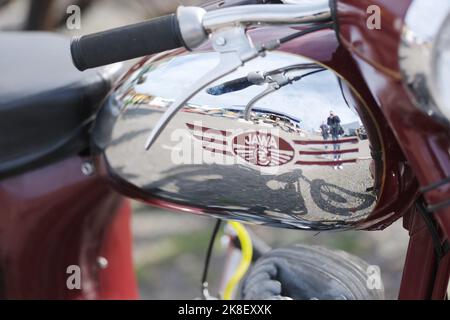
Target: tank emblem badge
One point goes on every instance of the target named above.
(258, 148)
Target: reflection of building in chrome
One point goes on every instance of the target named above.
(361, 133)
(350, 128)
(285, 123)
(137, 99)
(269, 117)
(258, 116)
(132, 98)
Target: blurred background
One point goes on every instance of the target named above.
(169, 248)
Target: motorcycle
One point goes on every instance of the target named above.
(237, 143)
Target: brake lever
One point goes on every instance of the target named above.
(275, 82)
(255, 78)
(235, 48)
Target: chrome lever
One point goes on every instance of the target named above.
(274, 83)
(235, 48)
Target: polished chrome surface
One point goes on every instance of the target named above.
(235, 48)
(274, 14)
(229, 38)
(111, 73)
(423, 24)
(276, 169)
(196, 24)
(275, 81)
(190, 21)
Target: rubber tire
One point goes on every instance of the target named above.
(303, 272)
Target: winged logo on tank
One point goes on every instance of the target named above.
(265, 149)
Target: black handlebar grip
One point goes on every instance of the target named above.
(124, 43)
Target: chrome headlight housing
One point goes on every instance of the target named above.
(425, 56)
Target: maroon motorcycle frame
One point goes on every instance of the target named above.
(423, 141)
(56, 216)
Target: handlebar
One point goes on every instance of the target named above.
(190, 27)
(124, 43)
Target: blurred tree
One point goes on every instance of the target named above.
(51, 14)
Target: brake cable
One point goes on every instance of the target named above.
(274, 83)
(306, 31)
(246, 246)
(205, 291)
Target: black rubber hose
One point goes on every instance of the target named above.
(128, 42)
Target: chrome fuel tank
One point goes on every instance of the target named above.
(289, 164)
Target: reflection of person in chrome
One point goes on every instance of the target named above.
(325, 130)
(335, 130)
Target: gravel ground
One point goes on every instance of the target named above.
(169, 247)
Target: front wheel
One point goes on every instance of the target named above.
(304, 272)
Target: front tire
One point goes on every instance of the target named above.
(304, 272)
